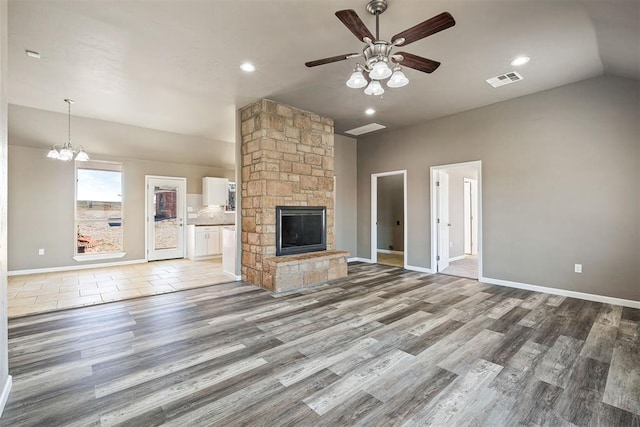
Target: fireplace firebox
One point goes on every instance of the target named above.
(300, 229)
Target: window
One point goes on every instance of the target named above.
(99, 216)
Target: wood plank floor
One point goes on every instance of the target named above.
(384, 346)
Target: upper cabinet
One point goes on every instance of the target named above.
(214, 191)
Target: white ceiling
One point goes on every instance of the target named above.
(174, 65)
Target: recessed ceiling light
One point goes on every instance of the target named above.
(32, 54)
(520, 60)
(370, 111)
(248, 67)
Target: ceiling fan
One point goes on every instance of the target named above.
(379, 62)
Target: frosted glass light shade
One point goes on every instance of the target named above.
(380, 71)
(82, 156)
(53, 154)
(357, 80)
(398, 79)
(374, 88)
(66, 153)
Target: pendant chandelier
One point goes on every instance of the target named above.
(67, 152)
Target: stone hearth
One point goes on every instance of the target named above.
(287, 160)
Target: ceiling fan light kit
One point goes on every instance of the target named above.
(379, 62)
(380, 70)
(357, 80)
(374, 88)
(398, 79)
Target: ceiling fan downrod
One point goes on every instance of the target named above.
(376, 7)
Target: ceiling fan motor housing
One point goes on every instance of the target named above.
(376, 51)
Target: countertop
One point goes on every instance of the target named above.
(204, 224)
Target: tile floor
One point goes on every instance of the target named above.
(39, 293)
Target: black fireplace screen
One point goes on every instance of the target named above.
(300, 229)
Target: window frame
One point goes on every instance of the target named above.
(99, 166)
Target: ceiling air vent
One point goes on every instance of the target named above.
(504, 79)
(365, 129)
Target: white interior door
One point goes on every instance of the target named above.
(474, 216)
(470, 216)
(443, 220)
(166, 210)
(467, 217)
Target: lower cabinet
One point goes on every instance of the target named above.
(204, 241)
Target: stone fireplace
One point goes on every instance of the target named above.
(287, 161)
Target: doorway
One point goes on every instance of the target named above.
(165, 213)
(456, 237)
(389, 218)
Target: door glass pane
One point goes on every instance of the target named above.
(165, 214)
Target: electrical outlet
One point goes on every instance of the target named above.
(450, 244)
(578, 268)
(40, 251)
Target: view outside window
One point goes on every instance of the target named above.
(99, 209)
(165, 217)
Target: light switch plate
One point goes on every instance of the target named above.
(578, 268)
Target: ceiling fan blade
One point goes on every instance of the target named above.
(424, 29)
(418, 63)
(330, 60)
(352, 21)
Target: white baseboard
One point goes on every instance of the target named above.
(236, 278)
(562, 292)
(387, 251)
(358, 259)
(74, 267)
(456, 258)
(418, 269)
(6, 390)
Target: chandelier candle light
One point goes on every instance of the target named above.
(68, 151)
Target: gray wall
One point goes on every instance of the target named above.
(32, 127)
(456, 207)
(560, 184)
(41, 204)
(390, 211)
(4, 351)
(345, 155)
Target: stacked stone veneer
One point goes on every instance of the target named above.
(287, 160)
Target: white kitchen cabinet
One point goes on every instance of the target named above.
(214, 191)
(204, 241)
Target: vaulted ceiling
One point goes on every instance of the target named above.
(174, 65)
